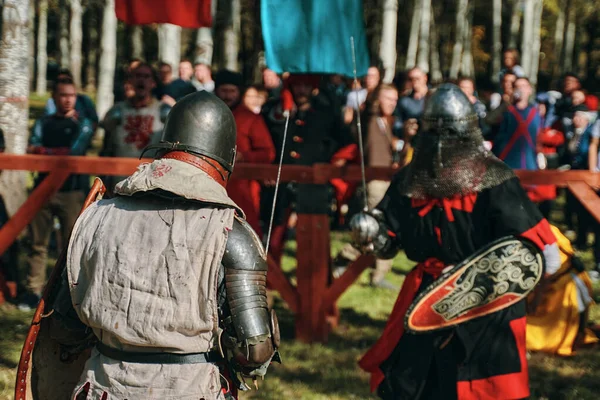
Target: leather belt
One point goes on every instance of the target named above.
(158, 358)
(212, 168)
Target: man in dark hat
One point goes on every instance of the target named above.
(314, 136)
(167, 276)
(454, 198)
(228, 87)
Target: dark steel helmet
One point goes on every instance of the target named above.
(200, 123)
(449, 109)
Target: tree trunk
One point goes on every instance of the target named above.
(559, 35)
(577, 46)
(527, 40)
(457, 50)
(515, 23)
(76, 38)
(108, 58)
(204, 40)
(137, 42)
(231, 33)
(536, 43)
(204, 46)
(467, 63)
(434, 50)
(42, 42)
(14, 91)
(31, 45)
(423, 54)
(413, 40)
(92, 24)
(63, 27)
(387, 49)
(592, 34)
(567, 65)
(14, 74)
(169, 45)
(497, 41)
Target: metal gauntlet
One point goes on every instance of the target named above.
(370, 234)
(256, 330)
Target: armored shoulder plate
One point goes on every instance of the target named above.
(244, 250)
(246, 286)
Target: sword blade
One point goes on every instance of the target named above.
(359, 128)
(285, 129)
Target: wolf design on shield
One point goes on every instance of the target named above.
(497, 276)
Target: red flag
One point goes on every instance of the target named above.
(185, 13)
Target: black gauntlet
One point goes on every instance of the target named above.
(370, 234)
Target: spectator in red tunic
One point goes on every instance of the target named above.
(254, 144)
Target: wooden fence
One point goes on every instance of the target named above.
(314, 297)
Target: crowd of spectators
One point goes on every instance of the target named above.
(552, 129)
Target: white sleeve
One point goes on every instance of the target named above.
(552, 256)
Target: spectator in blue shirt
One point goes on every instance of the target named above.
(66, 132)
(409, 110)
(84, 106)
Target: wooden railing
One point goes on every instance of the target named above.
(314, 298)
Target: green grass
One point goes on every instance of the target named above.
(329, 371)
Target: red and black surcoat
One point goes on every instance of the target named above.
(485, 358)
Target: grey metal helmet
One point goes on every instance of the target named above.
(448, 110)
(201, 124)
(449, 154)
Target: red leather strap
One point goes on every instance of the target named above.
(212, 168)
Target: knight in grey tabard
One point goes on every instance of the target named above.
(166, 279)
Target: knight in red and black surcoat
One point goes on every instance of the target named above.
(454, 198)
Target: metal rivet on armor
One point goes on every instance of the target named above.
(298, 139)
(294, 154)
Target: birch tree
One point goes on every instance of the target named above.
(559, 35)
(92, 49)
(75, 40)
(515, 23)
(467, 63)
(14, 92)
(434, 50)
(567, 64)
(63, 38)
(527, 41)
(457, 50)
(169, 45)
(497, 41)
(387, 49)
(14, 74)
(231, 35)
(42, 41)
(204, 46)
(31, 44)
(137, 42)
(204, 40)
(413, 40)
(108, 58)
(423, 54)
(536, 43)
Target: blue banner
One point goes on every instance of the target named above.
(313, 36)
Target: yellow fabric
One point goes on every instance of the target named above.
(553, 326)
